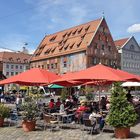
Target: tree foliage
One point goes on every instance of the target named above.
(122, 112)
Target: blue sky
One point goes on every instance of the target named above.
(30, 20)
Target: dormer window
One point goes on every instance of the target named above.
(60, 42)
(72, 46)
(11, 59)
(53, 49)
(69, 33)
(64, 34)
(86, 29)
(18, 59)
(73, 33)
(82, 37)
(78, 45)
(53, 38)
(66, 46)
(79, 31)
(60, 48)
(25, 60)
(47, 51)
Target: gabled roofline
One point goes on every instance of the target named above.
(95, 31)
(126, 42)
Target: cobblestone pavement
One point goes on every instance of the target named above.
(13, 133)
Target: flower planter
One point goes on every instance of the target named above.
(28, 125)
(1, 121)
(122, 133)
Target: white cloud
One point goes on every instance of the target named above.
(134, 28)
(15, 42)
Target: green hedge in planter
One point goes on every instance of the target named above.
(4, 111)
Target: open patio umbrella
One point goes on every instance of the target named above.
(131, 84)
(34, 76)
(99, 73)
(67, 83)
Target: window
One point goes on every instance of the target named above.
(7, 66)
(12, 66)
(55, 65)
(71, 46)
(82, 37)
(66, 46)
(7, 73)
(86, 29)
(78, 45)
(48, 66)
(20, 67)
(96, 46)
(99, 37)
(103, 29)
(94, 60)
(27, 67)
(73, 33)
(12, 73)
(106, 38)
(69, 33)
(52, 39)
(16, 73)
(79, 31)
(64, 64)
(103, 47)
(16, 66)
(109, 48)
(64, 34)
(132, 47)
(52, 66)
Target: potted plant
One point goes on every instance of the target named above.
(30, 111)
(122, 114)
(4, 113)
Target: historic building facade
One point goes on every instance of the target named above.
(13, 63)
(130, 54)
(77, 48)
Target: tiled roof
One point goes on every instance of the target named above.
(71, 40)
(119, 43)
(14, 57)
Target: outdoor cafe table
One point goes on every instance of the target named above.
(63, 115)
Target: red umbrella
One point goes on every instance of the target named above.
(67, 83)
(99, 73)
(33, 76)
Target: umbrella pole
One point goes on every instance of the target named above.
(99, 98)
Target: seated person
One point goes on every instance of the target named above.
(103, 103)
(92, 118)
(52, 106)
(58, 103)
(80, 111)
(68, 105)
(62, 107)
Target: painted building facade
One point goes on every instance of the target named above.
(130, 54)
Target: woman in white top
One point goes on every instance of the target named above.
(62, 107)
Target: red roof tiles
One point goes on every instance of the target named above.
(120, 42)
(71, 40)
(14, 57)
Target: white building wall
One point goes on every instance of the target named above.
(130, 57)
(10, 69)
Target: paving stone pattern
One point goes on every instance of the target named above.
(13, 133)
